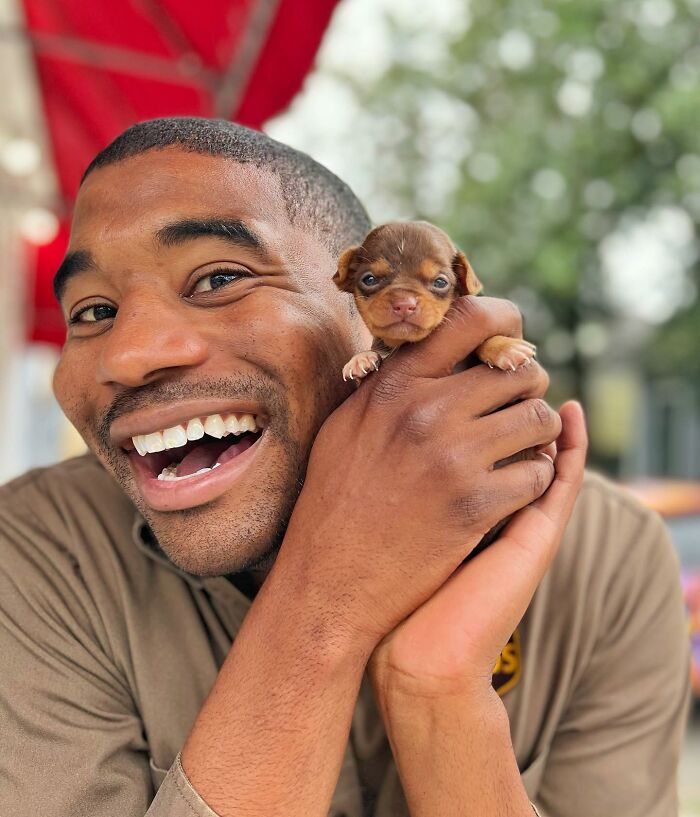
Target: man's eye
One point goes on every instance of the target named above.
(94, 314)
(218, 279)
(440, 283)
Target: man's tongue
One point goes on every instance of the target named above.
(207, 455)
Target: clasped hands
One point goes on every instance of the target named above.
(401, 486)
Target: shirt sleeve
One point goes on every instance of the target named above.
(617, 748)
(177, 797)
(73, 743)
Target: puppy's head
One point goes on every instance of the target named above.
(404, 276)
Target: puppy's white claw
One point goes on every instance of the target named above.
(361, 364)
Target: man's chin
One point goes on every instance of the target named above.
(205, 541)
(240, 530)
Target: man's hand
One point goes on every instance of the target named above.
(432, 674)
(453, 641)
(401, 484)
(400, 487)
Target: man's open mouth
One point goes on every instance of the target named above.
(198, 445)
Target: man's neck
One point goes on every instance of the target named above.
(248, 582)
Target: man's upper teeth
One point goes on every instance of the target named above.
(214, 425)
(174, 437)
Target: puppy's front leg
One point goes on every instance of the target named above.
(361, 365)
(506, 353)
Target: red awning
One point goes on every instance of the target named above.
(104, 66)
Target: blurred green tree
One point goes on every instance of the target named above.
(558, 144)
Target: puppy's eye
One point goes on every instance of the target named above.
(440, 282)
(369, 280)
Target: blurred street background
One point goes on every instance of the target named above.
(557, 142)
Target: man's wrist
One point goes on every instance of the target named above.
(451, 750)
(295, 600)
(404, 702)
(329, 612)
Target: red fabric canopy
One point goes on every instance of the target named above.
(104, 66)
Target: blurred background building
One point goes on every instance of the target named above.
(556, 142)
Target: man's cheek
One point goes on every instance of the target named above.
(66, 391)
(73, 397)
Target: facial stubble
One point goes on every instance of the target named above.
(220, 537)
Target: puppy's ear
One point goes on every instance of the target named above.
(467, 282)
(342, 278)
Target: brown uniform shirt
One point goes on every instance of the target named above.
(108, 652)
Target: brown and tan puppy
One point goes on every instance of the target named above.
(404, 277)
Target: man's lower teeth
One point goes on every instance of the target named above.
(169, 473)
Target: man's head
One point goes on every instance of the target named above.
(198, 286)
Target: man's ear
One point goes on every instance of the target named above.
(342, 278)
(467, 282)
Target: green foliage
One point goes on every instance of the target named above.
(534, 131)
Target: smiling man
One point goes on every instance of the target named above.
(189, 612)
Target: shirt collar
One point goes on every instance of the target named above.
(219, 586)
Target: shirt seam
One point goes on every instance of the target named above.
(184, 793)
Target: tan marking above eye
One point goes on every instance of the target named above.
(378, 267)
(429, 270)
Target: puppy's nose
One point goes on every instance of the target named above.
(404, 306)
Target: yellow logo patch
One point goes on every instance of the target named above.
(506, 673)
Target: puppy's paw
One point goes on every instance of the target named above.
(361, 365)
(506, 353)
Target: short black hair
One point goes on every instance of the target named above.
(314, 197)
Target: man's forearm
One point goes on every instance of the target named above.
(454, 755)
(271, 735)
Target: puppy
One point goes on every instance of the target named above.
(404, 276)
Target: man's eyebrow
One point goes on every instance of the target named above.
(231, 230)
(179, 232)
(74, 263)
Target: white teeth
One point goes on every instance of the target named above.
(168, 474)
(195, 429)
(231, 423)
(175, 437)
(153, 442)
(247, 423)
(214, 426)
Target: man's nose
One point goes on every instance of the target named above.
(406, 305)
(146, 342)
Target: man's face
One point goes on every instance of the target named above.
(190, 295)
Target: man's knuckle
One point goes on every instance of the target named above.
(538, 378)
(417, 424)
(473, 509)
(541, 412)
(543, 383)
(539, 479)
(512, 307)
(541, 475)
